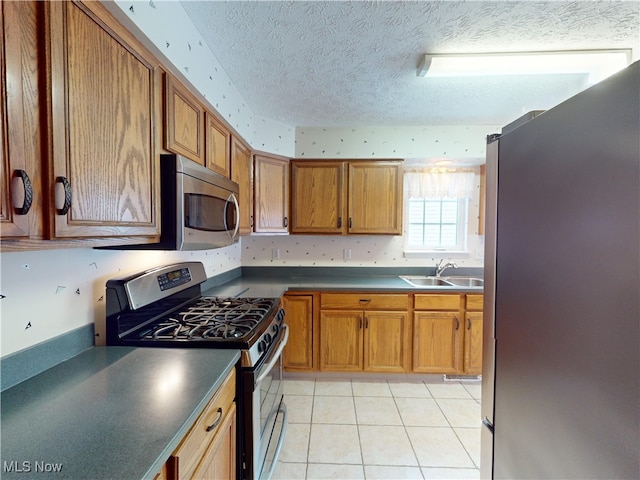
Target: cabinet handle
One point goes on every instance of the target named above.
(457, 323)
(360, 323)
(217, 422)
(67, 195)
(339, 222)
(365, 300)
(468, 323)
(251, 221)
(366, 322)
(28, 192)
(350, 222)
(286, 222)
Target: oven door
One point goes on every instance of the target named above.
(269, 411)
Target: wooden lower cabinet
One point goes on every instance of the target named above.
(473, 335)
(298, 353)
(372, 339)
(208, 451)
(436, 342)
(473, 344)
(386, 342)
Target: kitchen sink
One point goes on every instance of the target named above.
(465, 281)
(424, 281)
(430, 281)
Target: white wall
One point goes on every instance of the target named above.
(451, 142)
(50, 292)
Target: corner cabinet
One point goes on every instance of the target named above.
(271, 194)
(334, 197)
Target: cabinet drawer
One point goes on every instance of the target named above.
(192, 449)
(436, 302)
(475, 302)
(364, 301)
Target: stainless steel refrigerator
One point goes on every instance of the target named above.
(561, 373)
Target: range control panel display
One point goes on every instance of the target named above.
(174, 278)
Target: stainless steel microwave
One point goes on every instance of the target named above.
(198, 207)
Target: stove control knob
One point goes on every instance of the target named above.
(267, 338)
(275, 329)
(262, 346)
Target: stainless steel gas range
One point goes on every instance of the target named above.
(164, 307)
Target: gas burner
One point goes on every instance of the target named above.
(212, 318)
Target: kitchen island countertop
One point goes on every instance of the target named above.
(109, 412)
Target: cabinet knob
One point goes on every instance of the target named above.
(28, 192)
(67, 195)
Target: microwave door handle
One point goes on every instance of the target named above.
(233, 198)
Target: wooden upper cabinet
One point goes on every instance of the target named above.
(271, 201)
(369, 202)
(102, 114)
(183, 121)
(217, 146)
(15, 175)
(318, 203)
(375, 198)
(242, 174)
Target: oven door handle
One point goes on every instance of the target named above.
(283, 411)
(274, 358)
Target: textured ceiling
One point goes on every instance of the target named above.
(336, 63)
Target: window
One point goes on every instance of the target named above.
(436, 224)
(436, 209)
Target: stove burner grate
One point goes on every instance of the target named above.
(212, 318)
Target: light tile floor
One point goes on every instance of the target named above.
(379, 429)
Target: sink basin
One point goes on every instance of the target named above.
(428, 281)
(465, 281)
(424, 281)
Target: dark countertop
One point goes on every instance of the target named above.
(275, 281)
(109, 412)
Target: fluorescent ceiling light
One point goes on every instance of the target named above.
(598, 64)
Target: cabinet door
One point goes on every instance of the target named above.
(271, 194)
(318, 197)
(375, 198)
(183, 121)
(242, 174)
(473, 343)
(436, 342)
(298, 353)
(386, 341)
(219, 460)
(14, 173)
(341, 341)
(218, 146)
(105, 97)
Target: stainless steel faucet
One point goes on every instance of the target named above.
(441, 268)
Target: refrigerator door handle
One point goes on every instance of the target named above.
(488, 424)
